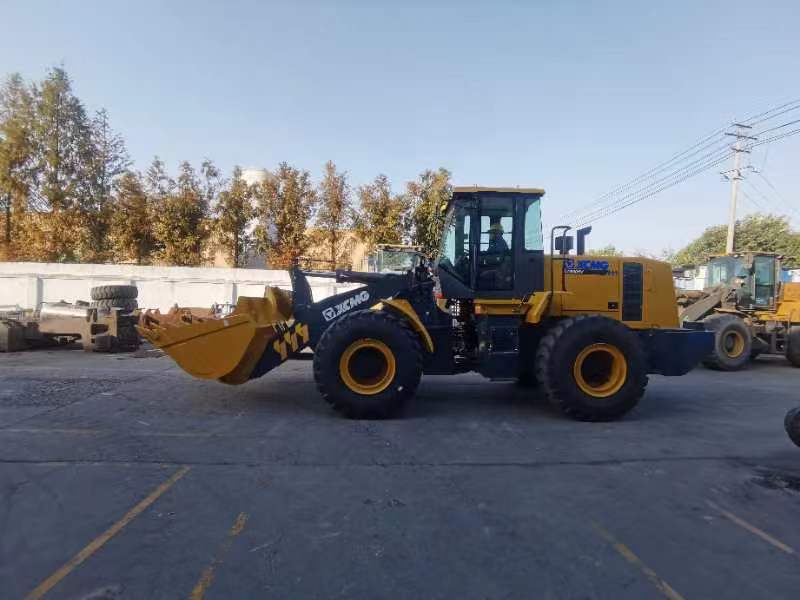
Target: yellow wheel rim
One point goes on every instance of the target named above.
(600, 370)
(367, 366)
(733, 344)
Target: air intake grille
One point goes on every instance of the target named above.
(632, 281)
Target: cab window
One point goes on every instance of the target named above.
(495, 259)
(455, 255)
(533, 224)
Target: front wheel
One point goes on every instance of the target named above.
(591, 368)
(733, 342)
(367, 364)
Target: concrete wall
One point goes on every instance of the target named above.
(29, 284)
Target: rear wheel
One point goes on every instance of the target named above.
(367, 364)
(733, 342)
(591, 368)
(793, 347)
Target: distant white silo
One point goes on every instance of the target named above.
(254, 176)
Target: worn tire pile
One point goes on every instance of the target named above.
(115, 296)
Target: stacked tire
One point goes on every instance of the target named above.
(122, 297)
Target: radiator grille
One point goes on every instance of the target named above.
(632, 283)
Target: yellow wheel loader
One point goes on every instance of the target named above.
(588, 330)
(749, 309)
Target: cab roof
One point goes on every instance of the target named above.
(471, 189)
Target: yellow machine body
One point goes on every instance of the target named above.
(787, 309)
(572, 294)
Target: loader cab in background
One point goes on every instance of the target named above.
(492, 244)
(753, 276)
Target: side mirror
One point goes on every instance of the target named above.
(564, 244)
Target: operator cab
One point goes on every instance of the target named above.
(492, 244)
(752, 276)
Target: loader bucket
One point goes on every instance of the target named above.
(224, 348)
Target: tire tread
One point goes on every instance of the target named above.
(329, 337)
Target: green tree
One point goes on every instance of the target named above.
(16, 154)
(211, 181)
(158, 184)
(428, 197)
(234, 211)
(334, 216)
(607, 250)
(381, 215)
(131, 222)
(758, 232)
(106, 161)
(63, 138)
(284, 204)
(180, 223)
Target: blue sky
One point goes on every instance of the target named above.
(575, 97)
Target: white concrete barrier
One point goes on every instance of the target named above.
(29, 284)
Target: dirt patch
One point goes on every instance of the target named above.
(23, 391)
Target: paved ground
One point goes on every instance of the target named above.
(122, 477)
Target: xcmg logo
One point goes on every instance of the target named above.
(586, 267)
(341, 308)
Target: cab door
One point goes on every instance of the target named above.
(529, 252)
(764, 275)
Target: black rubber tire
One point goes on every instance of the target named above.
(126, 304)
(722, 325)
(793, 349)
(527, 379)
(108, 292)
(104, 343)
(556, 355)
(401, 340)
(792, 424)
(128, 338)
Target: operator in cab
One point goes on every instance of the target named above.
(497, 245)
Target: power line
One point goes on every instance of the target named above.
(700, 167)
(794, 104)
(769, 201)
(777, 127)
(666, 185)
(769, 183)
(715, 156)
(657, 179)
(692, 150)
(773, 138)
(781, 204)
(752, 200)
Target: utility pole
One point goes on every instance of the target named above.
(734, 175)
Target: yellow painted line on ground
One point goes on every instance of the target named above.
(752, 528)
(97, 543)
(202, 585)
(666, 589)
